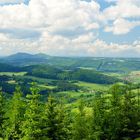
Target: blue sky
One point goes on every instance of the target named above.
(70, 27)
(13, 2)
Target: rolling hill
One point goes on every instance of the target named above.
(117, 65)
(9, 68)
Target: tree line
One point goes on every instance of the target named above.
(86, 75)
(112, 116)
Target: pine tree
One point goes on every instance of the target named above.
(14, 116)
(114, 113)
(2, 113)
(56, 127)
(130, 116)
(80, 125)
(138, 113)
(31, 127)
(98, 119)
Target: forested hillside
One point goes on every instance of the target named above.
(44, 99)
(8, 68)
(119, 65)
(113, 115)
(79, 74)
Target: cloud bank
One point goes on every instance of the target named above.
(71, 27)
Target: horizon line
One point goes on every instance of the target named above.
(70, 56)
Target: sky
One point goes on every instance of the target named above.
(95, 28)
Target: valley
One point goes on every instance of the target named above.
(71, 76)
(78, 94)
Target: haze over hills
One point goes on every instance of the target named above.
(25, 56)
(97, 63)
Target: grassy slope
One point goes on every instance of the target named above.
(13, 73)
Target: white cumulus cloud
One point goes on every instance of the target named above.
(67, 26)
(122, 26)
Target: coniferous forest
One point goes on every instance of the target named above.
(114, 115)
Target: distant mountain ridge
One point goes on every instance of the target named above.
(120, 65)
(25, 59)
(26, 56)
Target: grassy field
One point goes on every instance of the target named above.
(134, 76)
(118, 75)
(13, 73)
(92, 86)
(46, 86)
